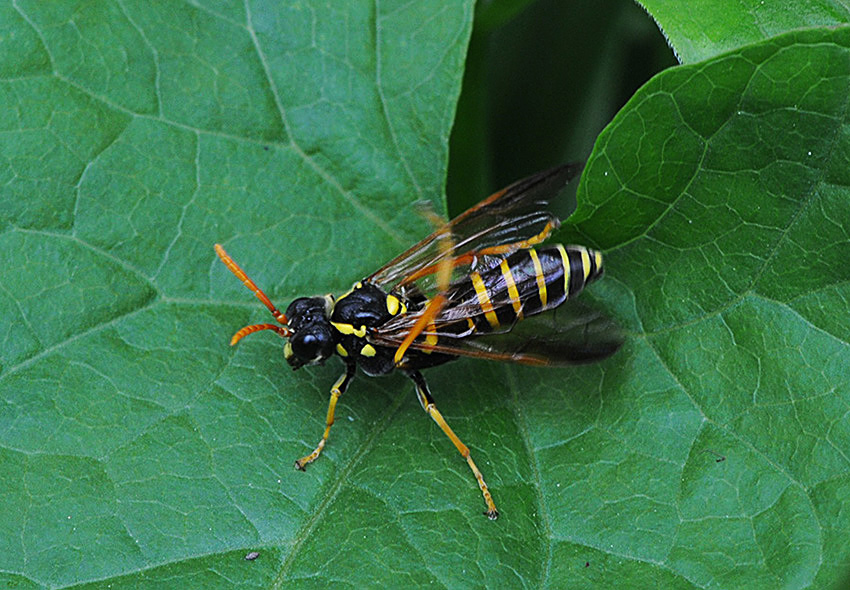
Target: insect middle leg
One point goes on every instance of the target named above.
(427, 403)
(336, 391)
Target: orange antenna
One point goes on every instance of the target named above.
(256, 328)
(240, 274)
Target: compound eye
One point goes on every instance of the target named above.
(309, 347)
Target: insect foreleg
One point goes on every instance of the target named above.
(336, 391)
(427, 403)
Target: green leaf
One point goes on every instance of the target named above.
(723, 196)
(492, 14)
(135, 445)
(138, 450)
(718, 26)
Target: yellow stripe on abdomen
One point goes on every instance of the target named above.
(565, 260)
(585, 262)
(431, 337)
(484, 299)
(513, 292)
(538, 274)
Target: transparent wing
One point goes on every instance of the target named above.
(515, 214)
(573, 333)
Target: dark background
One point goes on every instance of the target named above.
(542, 80)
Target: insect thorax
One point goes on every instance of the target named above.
(357, 312)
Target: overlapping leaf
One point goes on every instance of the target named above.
(722, 193)
(718, 26)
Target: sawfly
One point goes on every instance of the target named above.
(482, 285)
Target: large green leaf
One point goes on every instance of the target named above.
(722, 192)
(135, 135)
(138, 450)
(711, 27)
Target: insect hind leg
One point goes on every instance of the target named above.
(427, 403)
(443, 271)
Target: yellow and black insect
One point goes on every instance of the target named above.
(477, 287)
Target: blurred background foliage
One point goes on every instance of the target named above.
(524, 107)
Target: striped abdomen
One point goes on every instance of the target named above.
(525, 283)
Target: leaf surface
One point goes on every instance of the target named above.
(712, 27)
(138, 450)
(721, 193)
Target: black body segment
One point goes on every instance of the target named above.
(359, 314)
(523, 284)
(504, 292)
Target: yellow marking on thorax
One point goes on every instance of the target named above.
(585, 263)
(538, 273)
(484, 300)
(395, 305)
(598, 258)
(368, 350)
(348, 329)
(340, 349)
(566, 261)
(354, 287)
(512, 290)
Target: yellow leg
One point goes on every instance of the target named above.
(336, 391)
(434, 307)
(427, 403)
(443, 270)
